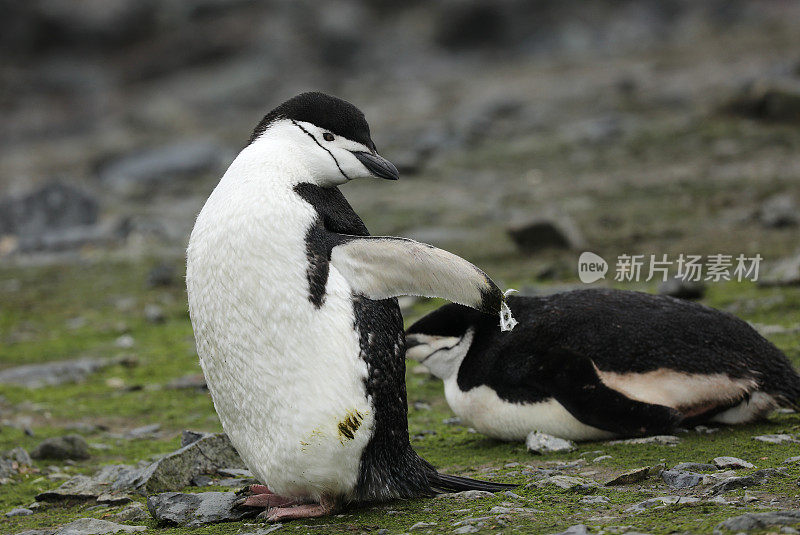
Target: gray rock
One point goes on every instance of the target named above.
(792, 460)
(662, 440)
(419, 526)
(682, 289)
(784, 272)
(779, 211)
(141, 172)
(466, 529)
(571, 483)
(154, 313)
(189, 437)
(466, 495)
(177, 469)
(754, 521)
(777, 439)
(13, 461)
(594, 500)
(54, 373)
(133, 512)
(95, 526)
(194, 510)
(55, 206)
(67, 447)
(769, 100)
(545, 233)
(679, 479)
(82, 487)
(759, 477)
(631, 477)
(194, 381)
(145, 431)
(19, 511)
(735, 463)
(541, 443)
(694, 467)
(578, 529)
(661, 501)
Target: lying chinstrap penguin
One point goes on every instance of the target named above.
(592, 364)
(297, 327)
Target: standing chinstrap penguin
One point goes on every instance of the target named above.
(298, 330)
(592, 364)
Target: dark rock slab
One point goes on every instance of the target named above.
(769, 100)
(754, 521)
(194, 510)
(680, 479)
(72, 447)
(177, 469)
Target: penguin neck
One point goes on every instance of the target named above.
(445, 362)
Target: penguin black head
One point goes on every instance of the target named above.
(441, 339)
(329, 135)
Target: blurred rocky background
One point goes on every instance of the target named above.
(520, 127)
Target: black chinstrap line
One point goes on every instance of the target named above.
(309, 134)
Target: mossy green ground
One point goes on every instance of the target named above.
(37, 324)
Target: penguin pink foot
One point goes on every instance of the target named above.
(261, 496)
(308, 510)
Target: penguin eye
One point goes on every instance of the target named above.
(328, 136)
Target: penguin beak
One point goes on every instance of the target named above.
(377, 165)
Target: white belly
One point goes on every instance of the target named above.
(483, 409)
(284, 376)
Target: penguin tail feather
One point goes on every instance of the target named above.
(443, 483)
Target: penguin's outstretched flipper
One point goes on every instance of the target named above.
(573, 381)
(380, 267)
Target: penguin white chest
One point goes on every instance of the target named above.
(286, 377)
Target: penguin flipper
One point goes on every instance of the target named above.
(573, 381)
(379, 267)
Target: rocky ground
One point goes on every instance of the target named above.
(640, 128)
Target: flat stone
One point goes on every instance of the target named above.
(680, 479)
(731, 462)
(19, 511)
(662, 440)
(631, 477)
(760, 521)
(419, 526)
(177, 469)
(466, 495)
(565, 482)
(792, 460)
(82, 487)
(461, 530)
(72, 447)
(661, 501)
(541, 443)
(95, 526)
(777, 439)
(53, 373)
(594, 500)
(194, 510)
